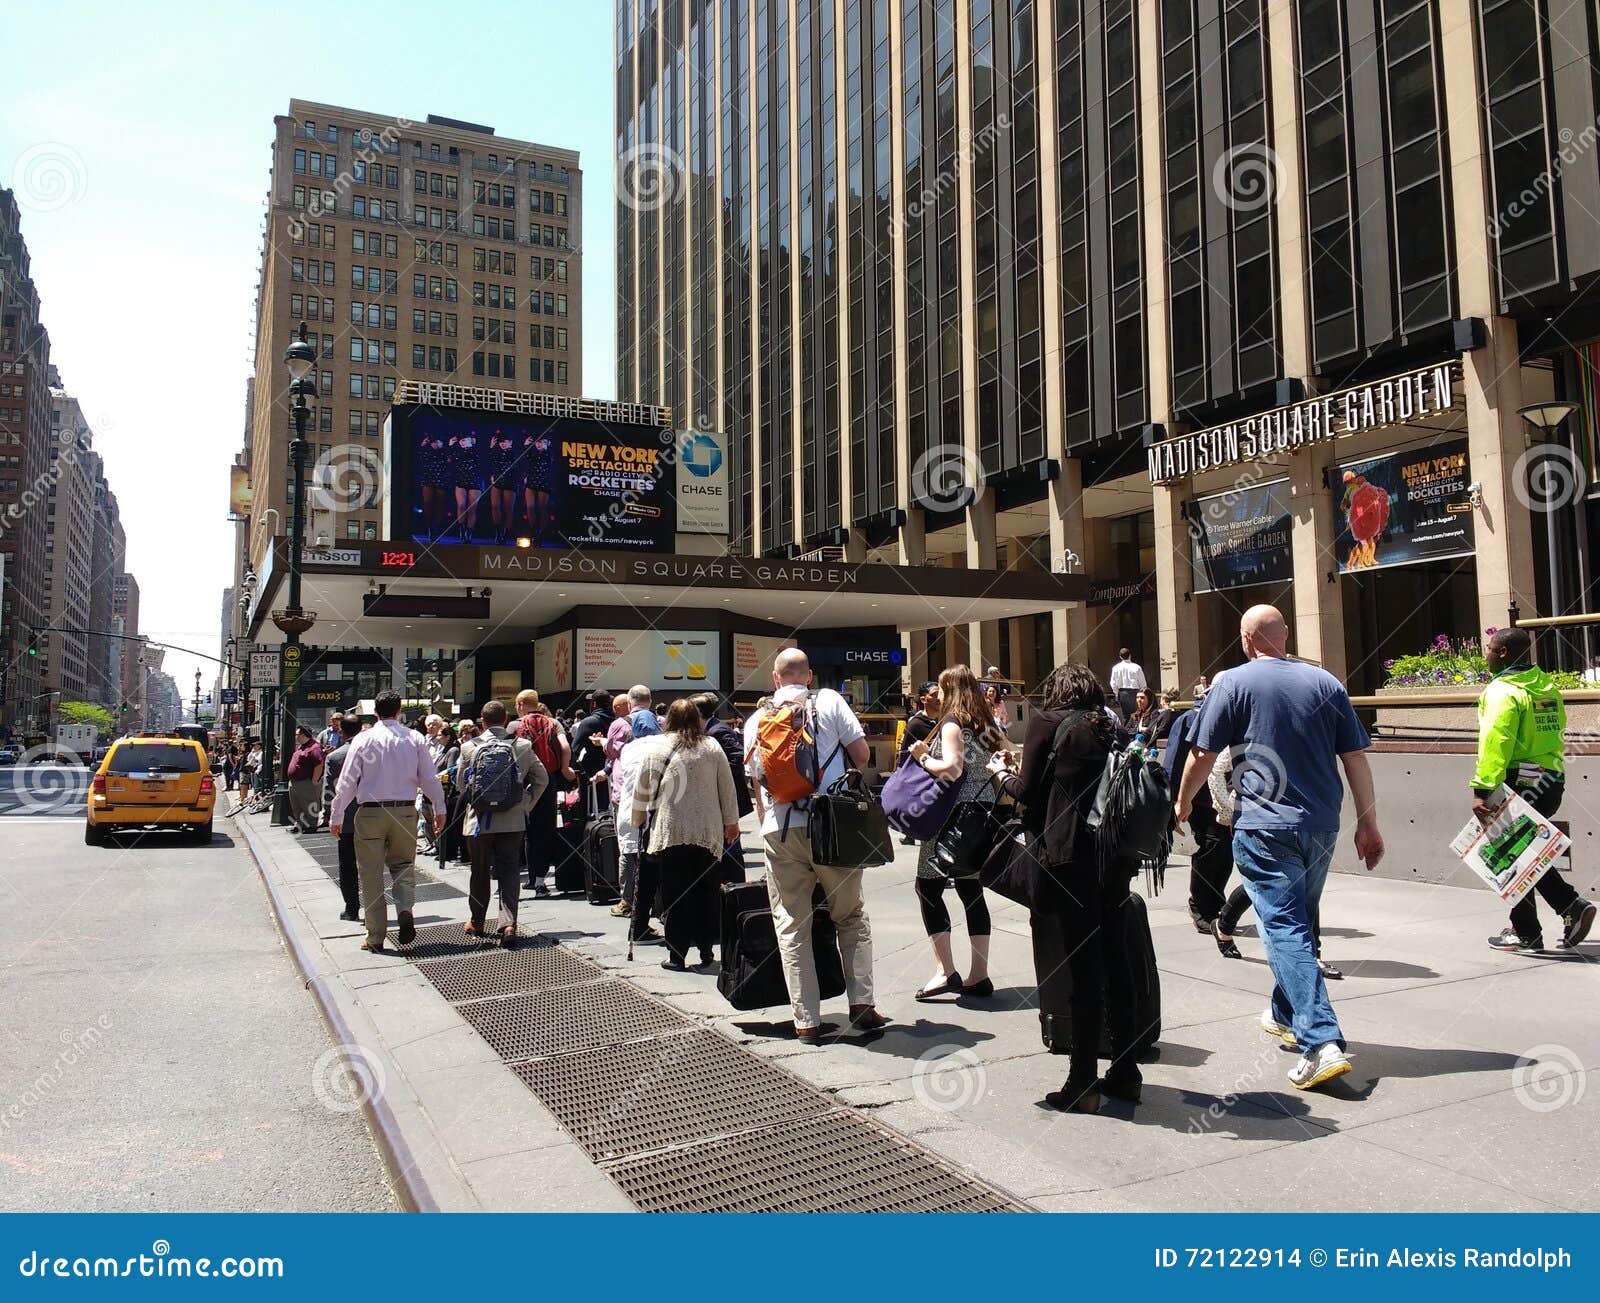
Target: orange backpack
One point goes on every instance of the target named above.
(786, 741)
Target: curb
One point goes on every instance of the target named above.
(413, 1191)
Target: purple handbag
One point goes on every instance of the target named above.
(916, 803)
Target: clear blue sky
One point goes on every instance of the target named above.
(156, 123)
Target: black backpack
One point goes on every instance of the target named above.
(493, 783)
(1132, 817)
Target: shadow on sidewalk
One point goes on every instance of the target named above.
(1376, 1062)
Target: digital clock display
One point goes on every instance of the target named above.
(397, 560)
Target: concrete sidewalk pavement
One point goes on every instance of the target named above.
(1469, 1090)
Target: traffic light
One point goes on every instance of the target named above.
(33, 644)
(126, 707)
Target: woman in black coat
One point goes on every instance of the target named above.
(1056, 795)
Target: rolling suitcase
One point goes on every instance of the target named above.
(752, 971)
(1053, 975)
(602, 861)
(569, 875)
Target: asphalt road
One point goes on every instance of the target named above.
(158, 1051)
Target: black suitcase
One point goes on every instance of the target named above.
(602, 861)
(1053, 974)
(569, 875)
(752, 971)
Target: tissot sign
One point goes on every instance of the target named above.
(1372, 406)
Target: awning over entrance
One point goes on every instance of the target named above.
(527, 589)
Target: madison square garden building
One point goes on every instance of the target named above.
(1206, 302)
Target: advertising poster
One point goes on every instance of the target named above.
(505, 684)
(547, 482)
(753, 654)
(702, 482)
(675, 659)
(552, 662)
(239, 497)
(1403, 508)
(1515, 849)
(1241, 537)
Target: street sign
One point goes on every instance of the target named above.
(289, 665)
(230, 696)
(263, 668)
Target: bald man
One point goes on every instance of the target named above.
(792, 874)
(1286, 723)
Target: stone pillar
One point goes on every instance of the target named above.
(983, 636)
(1177, 628)
(1318, 605)
(1068, 534)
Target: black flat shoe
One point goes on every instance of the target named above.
(673, 966)
(350, 915)
(406, 933)
(949, 986)
(1224, 944)
(1075, 1098)
(979, 990)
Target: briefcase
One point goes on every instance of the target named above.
(848, 828)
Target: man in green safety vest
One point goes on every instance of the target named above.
(1522, 725)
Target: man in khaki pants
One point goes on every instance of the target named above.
(792, 875)
(384, 770)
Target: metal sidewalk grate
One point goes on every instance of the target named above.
(440, 940)
(568, 1018)
(535, 965)
(627, 1099)
(833, 1163)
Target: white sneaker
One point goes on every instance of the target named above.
(1323, 1064)
(1276, 1029)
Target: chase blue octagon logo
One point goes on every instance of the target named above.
(701, 455)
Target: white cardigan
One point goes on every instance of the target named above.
(686, 794)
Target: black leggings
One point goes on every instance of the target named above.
(1239, 901)
(936, 918)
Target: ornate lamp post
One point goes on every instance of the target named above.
(300, 358)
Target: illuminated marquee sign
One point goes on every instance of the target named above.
(1424, 392)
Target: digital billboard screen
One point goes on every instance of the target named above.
(467, 476)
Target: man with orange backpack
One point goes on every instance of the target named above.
(794, 747)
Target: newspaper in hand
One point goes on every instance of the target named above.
(1514, 849)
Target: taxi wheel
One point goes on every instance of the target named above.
(94, 834)
(202, 834)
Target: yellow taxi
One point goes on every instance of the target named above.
(151, 780)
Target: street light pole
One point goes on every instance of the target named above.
(300, 358)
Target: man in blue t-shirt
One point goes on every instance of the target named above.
(1287, 724)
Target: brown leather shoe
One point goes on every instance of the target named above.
(472, 929)
(807, 1035)
(865, 1018)
(373, 947)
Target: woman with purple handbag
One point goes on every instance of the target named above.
(957, 756)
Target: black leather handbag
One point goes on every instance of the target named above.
(969, 834)
(848, 828)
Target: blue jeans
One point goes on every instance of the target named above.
(1284, 870)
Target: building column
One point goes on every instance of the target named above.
(983, 636)
(1318, 604)
(1491, 375)
(1177, 628)
(1496, 440)
(1069, 628)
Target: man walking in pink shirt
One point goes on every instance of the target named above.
(384, 770)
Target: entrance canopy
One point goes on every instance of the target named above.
(415, 593)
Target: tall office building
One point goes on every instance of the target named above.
(68, 665)
(125, 620)
(24, 465)
(1166, 293)
(434, 251)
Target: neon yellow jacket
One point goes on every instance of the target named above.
(1521, 721)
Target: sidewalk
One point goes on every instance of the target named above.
(1469, 1090)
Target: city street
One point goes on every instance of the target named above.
(159, 1050)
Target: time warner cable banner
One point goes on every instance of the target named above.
(580, 1256)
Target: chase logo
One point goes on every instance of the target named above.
(701, 455)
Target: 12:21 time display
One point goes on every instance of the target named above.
(397, 560)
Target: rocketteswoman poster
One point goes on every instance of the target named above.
(1403, 508)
